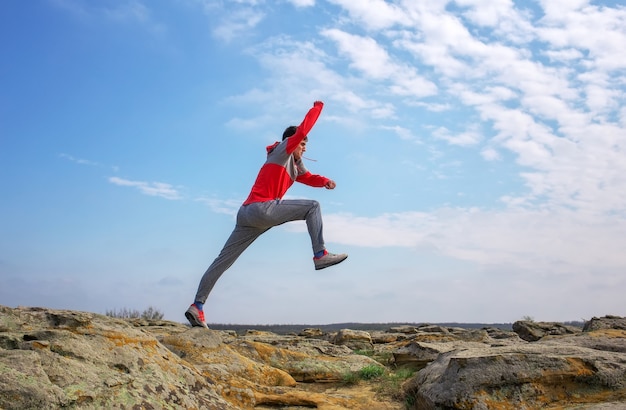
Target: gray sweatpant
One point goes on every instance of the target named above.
(254, 219)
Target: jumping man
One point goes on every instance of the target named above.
(264, 208)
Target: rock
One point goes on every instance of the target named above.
(403, 329)
(609, 340)
(24, 382)
(354, 339)
(313, 347)
(606, 322)
(311, 367)
(521, 376)
(56, 358)
(493, 368)
(433, 329)
(385, 337)
(419, 354)
(497, 333)
(533, 331)
(312, 333)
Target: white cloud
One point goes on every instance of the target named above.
(559, 241)
(121, 12)
(79, 161)
(301, 71)
(159, 189)
(238, 23)
(365, 53)
(487, 12)
(221, 206)
(130, 11)
(302, 3)
(532, 243)
(466, 138)
(599, 32)
(403, 132)
(566, 55)
(376, 14)
(490, 154)
(369, 57)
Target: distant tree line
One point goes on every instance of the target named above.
(368, 327)
(297, 328)
(124, 313)
(152, 313)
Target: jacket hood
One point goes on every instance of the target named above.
(270, 148)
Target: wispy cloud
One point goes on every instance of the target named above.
(121, 12)
(159, 189)
(403, 132)
(79, 161)
(465, 138)
(376, 14)
(222, 206)
(238, 23)
(302, 3)
(369, 57)
(234, 19)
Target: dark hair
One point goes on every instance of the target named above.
(289, 131)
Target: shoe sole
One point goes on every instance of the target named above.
(328, 265)
(194, 322)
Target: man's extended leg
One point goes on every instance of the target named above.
(239, 240)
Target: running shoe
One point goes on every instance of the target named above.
(195, 316)
(328, 259)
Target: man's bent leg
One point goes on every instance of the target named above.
(291, 210)
(296, 210)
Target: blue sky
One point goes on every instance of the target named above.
(479, 150)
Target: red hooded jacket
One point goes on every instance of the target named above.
(281, 169)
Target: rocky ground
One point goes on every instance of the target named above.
(56, 358)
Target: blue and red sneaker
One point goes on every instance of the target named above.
(195, 316)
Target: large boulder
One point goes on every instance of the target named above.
(532, 331)
(354, 339)
(308, 360)
(418, 355)
(312, 332)
(606, 322)
(520, 376)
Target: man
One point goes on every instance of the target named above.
(264, 208)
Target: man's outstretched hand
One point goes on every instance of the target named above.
(330, 184)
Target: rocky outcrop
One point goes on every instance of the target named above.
(354, 339)
(565, 369)
(521, 377)
(533, 331)
(51, 359)
(55, 358)
(606, 322)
